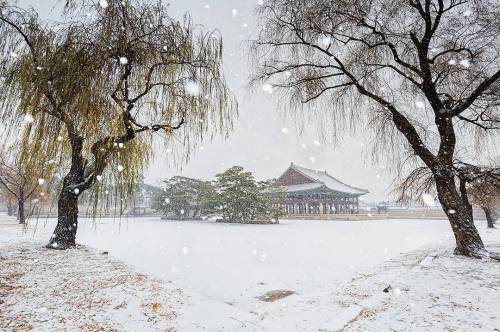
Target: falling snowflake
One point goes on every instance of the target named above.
(121, 145)
(285, 131)
(465, 63)
(41, 181)
(420, 104)
(428, 199)
(99, 178)
(120, 168)
(76, 191)
(312, 159)
(234, 12)
(167, 200)
(452, 62)
(123, 60)
(28, 118)
(267, 88)
(192, 88)
(104, 4)
(326, 41)
(185, 250)
(317, 143)
(59, 138)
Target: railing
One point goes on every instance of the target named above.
(418, 213)
(318, 216)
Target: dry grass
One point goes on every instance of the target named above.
(275, 295)
(50, 290)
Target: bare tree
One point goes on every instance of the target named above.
(17, 183)
(9, 200)
(95, 89)
(421, 73)
(485, 190)
(483, 195)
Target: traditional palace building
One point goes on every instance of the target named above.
(315, 192)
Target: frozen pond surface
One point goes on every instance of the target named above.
(235, 263)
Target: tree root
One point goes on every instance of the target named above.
(478, 254)
(57, 246)
(495, 256)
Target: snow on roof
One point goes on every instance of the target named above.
(327, 180)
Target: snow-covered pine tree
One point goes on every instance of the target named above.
(184, 198)
(241, 199)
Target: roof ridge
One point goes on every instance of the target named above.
(298, 168)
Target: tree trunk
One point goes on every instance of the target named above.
(64, 235)
(489, 217)
(21, 213)
(459, 213)
(10, 209)
(67, 211)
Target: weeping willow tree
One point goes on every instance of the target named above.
(89, 94)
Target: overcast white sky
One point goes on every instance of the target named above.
(259, 141)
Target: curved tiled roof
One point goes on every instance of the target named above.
(322, 178)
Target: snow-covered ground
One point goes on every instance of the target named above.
(337, 270)
(79, 289)
(236, 263)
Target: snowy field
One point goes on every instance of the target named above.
(335, 268)
(236, 263)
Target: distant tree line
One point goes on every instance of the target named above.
(234, 196)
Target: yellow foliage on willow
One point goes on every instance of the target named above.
(92, 93)
(115, 78)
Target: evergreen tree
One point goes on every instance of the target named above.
(244, 200)
(184, 198)
(275, 199)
